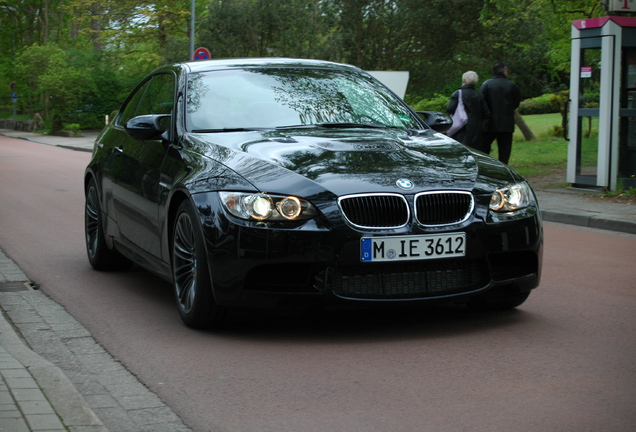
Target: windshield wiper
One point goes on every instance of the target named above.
(354, 125)
(307, 126)
(335, 126)
(238, 129)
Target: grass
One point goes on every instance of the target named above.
(629, 193)
(543, 155)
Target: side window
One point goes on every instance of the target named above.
(155, 96)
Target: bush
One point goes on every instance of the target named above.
(437, 103)
(544, 104)
(540, 105)
(89, 120)
(74, 128)
(557, 131)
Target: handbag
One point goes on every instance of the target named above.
(460, 117)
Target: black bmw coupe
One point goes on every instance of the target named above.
(250, 182)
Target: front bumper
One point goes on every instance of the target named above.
(254, 265)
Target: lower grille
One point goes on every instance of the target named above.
(407, 281)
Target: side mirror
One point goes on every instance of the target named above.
(438, 121)
(146, 127)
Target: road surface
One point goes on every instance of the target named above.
(563, 361)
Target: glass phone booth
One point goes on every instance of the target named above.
(602, 132)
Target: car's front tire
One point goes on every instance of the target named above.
(99, 255)
(191, 277)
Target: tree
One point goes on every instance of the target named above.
(50, 84)
(266, 28)
(57, 49)
(533, 36)
(115, 43)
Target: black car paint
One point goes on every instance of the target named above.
(316, 164)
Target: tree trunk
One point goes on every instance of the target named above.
(523, 127)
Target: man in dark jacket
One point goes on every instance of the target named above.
(503, 98)
(476, 109)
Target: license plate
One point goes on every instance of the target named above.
(432, 246)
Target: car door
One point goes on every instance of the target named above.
(137, 168)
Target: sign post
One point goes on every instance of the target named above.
(14, 99)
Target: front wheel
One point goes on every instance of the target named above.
(191, 277)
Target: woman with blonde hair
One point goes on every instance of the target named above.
(476, 109)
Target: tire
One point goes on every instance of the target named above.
(99, 255)
(499, 300)
(190, 273)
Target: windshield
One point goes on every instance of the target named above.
(290, 97)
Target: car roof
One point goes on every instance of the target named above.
(206, 65)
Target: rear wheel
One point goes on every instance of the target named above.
(499, 300)
(191, 277)
(99, 255)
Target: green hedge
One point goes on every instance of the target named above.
(437, 103)
(540, 105)
(544, 104)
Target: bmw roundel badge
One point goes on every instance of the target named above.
(405, 184)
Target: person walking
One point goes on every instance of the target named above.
(476, 109)
(503, 97)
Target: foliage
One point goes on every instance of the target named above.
(436, 103)
(539, 105)
(531, 30)
(74, 128)
(76, 60)
(544, 104)
(49, 82)
(629, 193)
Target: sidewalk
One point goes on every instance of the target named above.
(88, 390)
(79, 386)
(35, 395)
(74, 384)
(83, 143)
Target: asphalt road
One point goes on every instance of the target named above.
(564, 361)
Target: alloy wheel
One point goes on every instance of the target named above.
(185, 263)
(91, 221)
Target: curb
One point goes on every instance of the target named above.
(52, 402)
(72, 383)
(597, 222)
(69, 405)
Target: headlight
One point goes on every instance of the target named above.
(511, 198)
(266, 207)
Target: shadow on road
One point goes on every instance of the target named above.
(373, 324)
(335, 324)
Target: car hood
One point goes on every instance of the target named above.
(352, 160)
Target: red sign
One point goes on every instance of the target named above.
(586, 71)
(201, 54)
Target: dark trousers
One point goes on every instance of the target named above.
(504, 144)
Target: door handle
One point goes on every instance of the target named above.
(118, 151)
